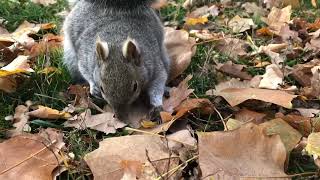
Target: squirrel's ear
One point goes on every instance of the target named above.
(102, 49)
(131, 51)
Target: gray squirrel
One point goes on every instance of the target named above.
(117, 47)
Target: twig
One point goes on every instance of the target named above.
(178, 167)
(286, 176)
(221, 118)
(149, 160)
(29, 157)
(154, 134)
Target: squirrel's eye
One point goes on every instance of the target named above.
(135, 86)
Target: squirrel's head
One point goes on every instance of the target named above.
(120, 72)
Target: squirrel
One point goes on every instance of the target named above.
(117, 47)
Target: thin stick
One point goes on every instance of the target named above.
(150, 133)
(179, 166)
(31, 156)
(221, 118)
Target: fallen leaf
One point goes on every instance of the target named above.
(180, 48)
(8, 84)
(238, 24)
(48, 43)
(252, 8)
(31, 156)
(232, 47)
(235, 70)
(289, 136)
(18, 65)
(203, 105)
(205, 11)
(314, 3)
(273, 77)
(302, 124)
(21, 34)
(237, 95)
(44, 2)
(308, 112)
(264, 32)
(177, 95)
(278, 18)
(207, 35)
(48, 113)
(313, 144)
(314, 90)
(105, 162)
(104, 122)
(288, 35)
(246, 115)
(158, 4)
(302, 72)
(253, 154)
(20, 120)
(193, 21)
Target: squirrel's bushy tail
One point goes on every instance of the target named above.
(122, 3)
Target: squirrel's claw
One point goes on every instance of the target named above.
(154, 114)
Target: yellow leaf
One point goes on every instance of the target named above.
(314, 3)
(4, 73)
(194, 21)
(48, 70)
(148, 124)
(313, 145)
(48, 113)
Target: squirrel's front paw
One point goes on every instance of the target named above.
(154, 114)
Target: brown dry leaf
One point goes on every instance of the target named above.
(107, 161)
(207, 35)
(205, 11)
(49, 43)
(204, 105)
(180, 48)
(282, 3)
(314, 90)
(44, 2)
(31, 156)
(235, 70)
(159, 4)
(8, 84)
(20, 120)
(236, 93)
(288, 35)
(246, 115)
(253, 154)
(48, 113)
(21, 34)
(302, 124)
(232, 47)
(238, 24)
(264, 32)
(302, 72)
(104, 122)
(273, 77)
(314, 26)
(278, 18)
(252, 8)
(289, 136)
(308, 112)
(177, 95)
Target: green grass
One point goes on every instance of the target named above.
(14, 12)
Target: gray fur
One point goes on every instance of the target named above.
(114, 21)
